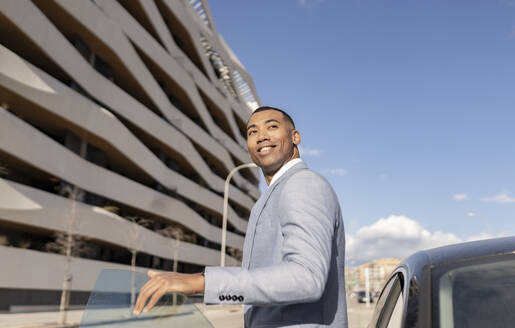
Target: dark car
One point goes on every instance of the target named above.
(464, 285)
(362, 297)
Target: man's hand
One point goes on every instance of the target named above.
(163, 283)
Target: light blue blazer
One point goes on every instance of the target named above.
(292, 272)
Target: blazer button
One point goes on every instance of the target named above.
(221, 297)
(227, 297)
(240, 298)
(234, 298)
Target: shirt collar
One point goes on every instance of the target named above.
(283, 169)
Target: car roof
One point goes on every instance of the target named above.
(468, 250)
(414, 269)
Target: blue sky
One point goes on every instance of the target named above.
(406, 106)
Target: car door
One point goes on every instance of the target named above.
(390, 305)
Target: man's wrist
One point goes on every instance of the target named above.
(199, 282)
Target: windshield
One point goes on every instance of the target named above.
(476, 294)
(110, 305)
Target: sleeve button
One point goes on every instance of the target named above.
(240, 298)
(234, 298)
(221, 297)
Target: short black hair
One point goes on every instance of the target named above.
(264, 108)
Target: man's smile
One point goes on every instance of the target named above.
(265, 149)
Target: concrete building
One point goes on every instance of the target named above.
(119, 122)
(378, 272)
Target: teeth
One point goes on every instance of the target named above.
(264, 148)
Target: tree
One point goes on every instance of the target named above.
(135, 244)
(80, 247)
(67, 245)
(176, 234)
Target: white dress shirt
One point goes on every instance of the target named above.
(283, 169)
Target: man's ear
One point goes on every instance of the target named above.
(295, 136)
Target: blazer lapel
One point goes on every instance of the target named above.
(258, 209)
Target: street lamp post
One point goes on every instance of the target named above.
(226, 206)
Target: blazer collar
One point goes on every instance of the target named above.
(285, 168)
(264, 198)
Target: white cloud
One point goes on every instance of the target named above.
(309, 152)
(499, 198)
(339, 172)
(471, 214)
(396, 236)
(482, 235)
(459, 197)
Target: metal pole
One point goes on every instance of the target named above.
(226, 205)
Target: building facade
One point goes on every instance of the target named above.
(119, 122)
(378, 272)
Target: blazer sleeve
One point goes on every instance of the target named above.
(308, 212)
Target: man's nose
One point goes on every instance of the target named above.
(262, 136)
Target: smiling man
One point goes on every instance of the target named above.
(272, 140)
(292, 273)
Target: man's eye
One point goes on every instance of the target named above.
(252, 132)
(272, 126)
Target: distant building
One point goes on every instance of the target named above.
(378, 271)
(352, 279)
(119, 122)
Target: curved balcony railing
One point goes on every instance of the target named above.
(198, 6)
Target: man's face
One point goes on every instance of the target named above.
(271, 140)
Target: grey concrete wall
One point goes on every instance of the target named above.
(34, 208)
(51, 95)
(36, 95)
(36, 270)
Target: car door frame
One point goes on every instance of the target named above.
(401, 275)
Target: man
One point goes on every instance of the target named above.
(293, 256)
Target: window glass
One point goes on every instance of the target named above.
(476, 294)
(386, 302)
(110, 305)
(396, 317)
(382, 299)
(389, 304)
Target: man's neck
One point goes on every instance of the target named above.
(270, 177)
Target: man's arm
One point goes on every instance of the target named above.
(307, 214)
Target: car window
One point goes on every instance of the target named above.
(476, 294)
(110, 305)
(396, 317)
(389, 304)
(386, 304)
